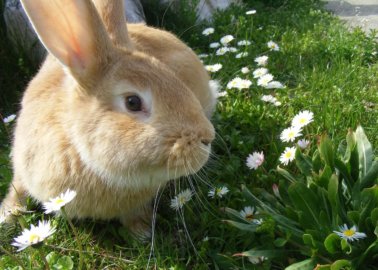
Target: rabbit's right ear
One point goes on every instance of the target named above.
(73, 32)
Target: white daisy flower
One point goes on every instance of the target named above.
(203, 55)
(233, 49)
(288, 155)
(244, 43)
(275, 85)
(269, 98)
(258, 221)
(208, 31)
(303, 143)
(218, 192)
(214, 45)
(239, 83)
(350, 234)
(222, 51)
(251, 12)
(34, 235)
(289, 134)
(9, 119)
(57, 203)
(255, 160)
(248, 213)
(241, 55)
(273, 46)
(221, 94)
(260, 72)
(226, 40)
(302, 119)
(245, 70)
(181, 199)
(213, 68)
(262, 60)
(265, 79)
(277, 103)
(257, 259)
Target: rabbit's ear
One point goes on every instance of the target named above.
(72, 31)
(113, 16)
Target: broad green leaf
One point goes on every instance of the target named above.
(351, 145)
(345, 173)
(285, 174)
(316, 162)
(341, 265)
(242, 226)
(369, 201)
(374, 216)
(280, 242)
(308, 240)
(324, 177)
(308, 264)
(365, 151)
(354, 216)
(64, 263)
(332, 243)
(323, 267)
(346, 246)
(326, 151)
(306, 202)
(52, 257)
(334, 199)
(371, 178)
(303, 163)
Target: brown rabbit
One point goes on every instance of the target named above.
(114, 113)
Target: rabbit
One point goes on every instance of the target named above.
(114, 113)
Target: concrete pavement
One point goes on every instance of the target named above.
(363, 13)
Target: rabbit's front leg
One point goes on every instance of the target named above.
(15, 200)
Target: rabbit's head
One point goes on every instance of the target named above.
(132, 121)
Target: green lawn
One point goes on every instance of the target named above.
(325, 69)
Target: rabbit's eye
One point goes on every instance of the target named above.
(133, 103)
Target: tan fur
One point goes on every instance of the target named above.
(69, 135)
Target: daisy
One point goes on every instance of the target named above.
(34, 235)
(181, 199)
(9, 118)
(244, 43)
(273, 46)
(264, 80)
(251, 12)
(208, 31)
(288, 155)
(232, 49)
(303, 143)
(275, 85)
(226, 40)
(302, 119)
(222, 51)
(259, 72)
(57, 203)
(239, 83)
(255, 160)
(218, 192)
(350, 234)
(277, 103)
(203, 55)
(257, 259)
(248, 213)
(214, 45)
(289, 134)
(241, 55)
(213, 68)
(245, 70)
(262, 60)
(269, 98)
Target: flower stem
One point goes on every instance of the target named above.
(80, 245)
(2, 249)
(42, 253)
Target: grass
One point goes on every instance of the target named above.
(326, 69)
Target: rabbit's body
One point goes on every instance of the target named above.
(75, 132)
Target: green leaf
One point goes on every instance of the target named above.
(324, 177)
(365, 151)
(369, 201)
(308, 264)
(242, 226)
(316, 162)
(65, 263)
(374, 216)
(303, 163)
(332, 243)
(345, 246)
(52, 258)
(351, 145)
(334, 199)
(371, 177)
(308, 240)
(280, 242)
(307, 202)
(285, 174)
(341, 265)
(344, 172)
(326, 151)
(269, 253)
(354, 216)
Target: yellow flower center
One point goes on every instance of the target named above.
(288, 155)
(291, 134)
(349, 233)
(249, 217)
(302, 120)
(59, 201)
(34, 238)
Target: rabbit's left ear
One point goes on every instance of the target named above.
(73, 32)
